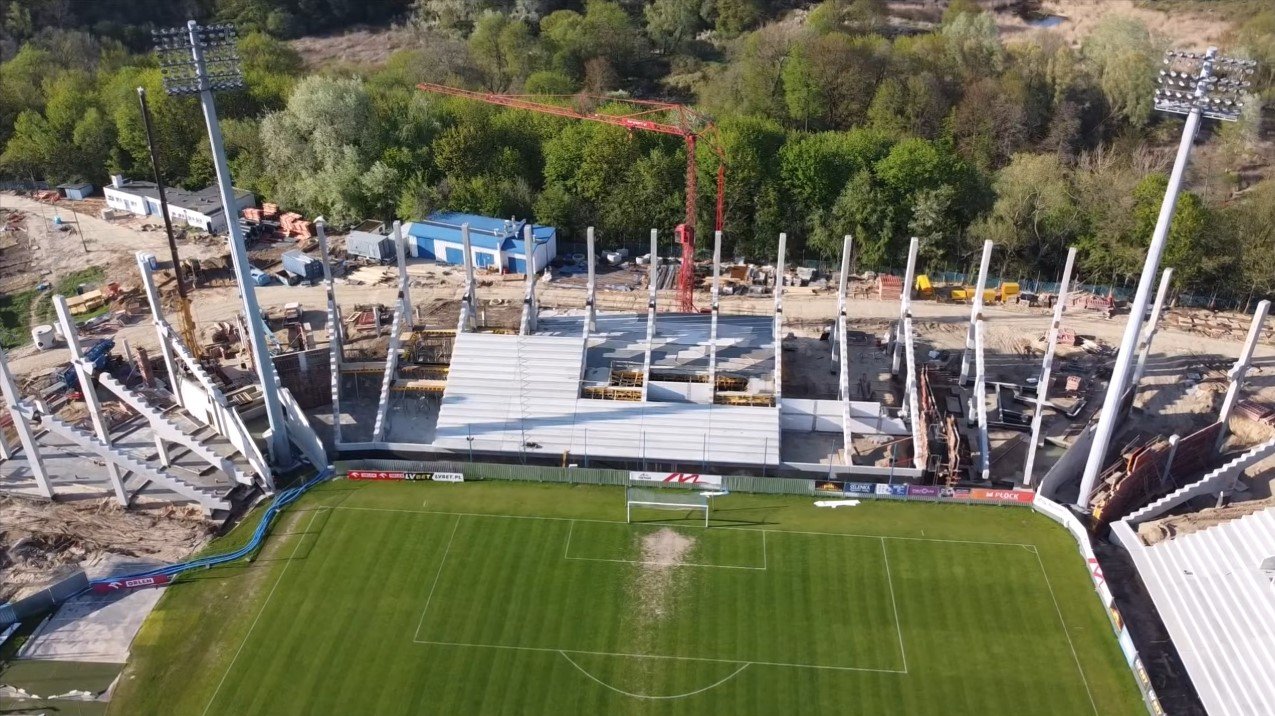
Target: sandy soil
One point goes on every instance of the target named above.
(662, 551)
(1185, 30)
(36, 538)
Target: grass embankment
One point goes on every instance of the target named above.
(537, 599)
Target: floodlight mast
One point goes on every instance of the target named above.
(1211, 88)
(197, 60)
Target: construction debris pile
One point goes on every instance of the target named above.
(37, 538)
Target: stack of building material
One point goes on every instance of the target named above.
(889, 288)
(1074, 383)
(252, 214)
(270, 211)
(1255, 411)
(1066, 337)
(293, 224)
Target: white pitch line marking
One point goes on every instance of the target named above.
(548, 650)
(261, 611)
(898, 625)
(437, 574)
(688, 526)
(1067, 633)
(581, 669)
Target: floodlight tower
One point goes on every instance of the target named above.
(1198, 85)
(198, 60)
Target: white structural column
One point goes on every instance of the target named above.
(1145, 352)
(157, 317)
(1240, 369)
(26, 437)
(590, 301)
(840, 355)
(404, 285)
(335, 339)
(84, 373)
(1111, 405)
(652, 293)
(778, 328)
(280, 448)
(842, 283)
(1042, 384)
(910, 396)
(530, 308)
(905, 301)
(402, 322)
(468, 302)
(715, 308)
(980, 402)
(976, 311)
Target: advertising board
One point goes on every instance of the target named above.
(677, 478)
(408, 476)
(980, 494)
(923, 491)
(117, 585)
(860, 488)
(891, 490)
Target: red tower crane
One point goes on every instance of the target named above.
(649, 116)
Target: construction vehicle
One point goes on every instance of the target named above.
(98, 356)
(677, 120)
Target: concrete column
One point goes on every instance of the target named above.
(334, 330)
(157, 317)
(842, 282)
(976, 312)
(980, 402)
(910, 397)
(715, 308)
(590, 306)
(1140, 369)
(652, 293)
(405, 290)
(530, 308)
(25, 436)
(778, 328)
(469, 307)
(83, 371)
(1042, 385)
(1240, 369)
(905, 301)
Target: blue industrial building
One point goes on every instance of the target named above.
(494, 242)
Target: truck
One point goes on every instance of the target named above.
(306, 268)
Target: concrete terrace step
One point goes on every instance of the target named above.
(206, 498)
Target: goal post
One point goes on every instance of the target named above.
(663, 499)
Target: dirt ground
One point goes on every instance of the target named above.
(37, 538)
(1184, 30)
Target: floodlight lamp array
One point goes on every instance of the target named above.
(217, 67)
(1206, 81)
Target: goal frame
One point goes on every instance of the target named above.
(675, 501)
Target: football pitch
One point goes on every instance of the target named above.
(510, 598)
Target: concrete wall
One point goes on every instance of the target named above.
(1222, 478)
(1069, 466)
(124, 201)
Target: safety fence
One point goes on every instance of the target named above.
(1064, 517)
(924, 493)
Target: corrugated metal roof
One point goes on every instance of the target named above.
(485, 232)
(520, 394)
(1216, 601)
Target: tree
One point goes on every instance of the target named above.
(988, 123)
(1035, 216)
(915, 105)
(973, 45)
(503, 49)
(802, 93)
(605, 30)
(1125, 57)
(737, 16)
(671, 23)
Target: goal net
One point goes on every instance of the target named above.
(663, 499)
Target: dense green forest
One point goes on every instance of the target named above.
(831, 122)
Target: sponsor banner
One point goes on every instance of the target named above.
(984, 495)
(826, 486)
(926, 491)
(860, 488)
(677, 478)
(891, 490)
(1126, 645)
(409, 476)
(119, 585)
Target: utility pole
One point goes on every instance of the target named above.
(1198, 86)
(197, 60)
(183, 299)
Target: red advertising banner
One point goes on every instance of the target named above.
(119, 585)
(985, 495)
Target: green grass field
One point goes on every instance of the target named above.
(510, 598)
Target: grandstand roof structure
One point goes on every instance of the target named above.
(1215, 591)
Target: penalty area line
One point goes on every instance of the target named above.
(441, 563)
